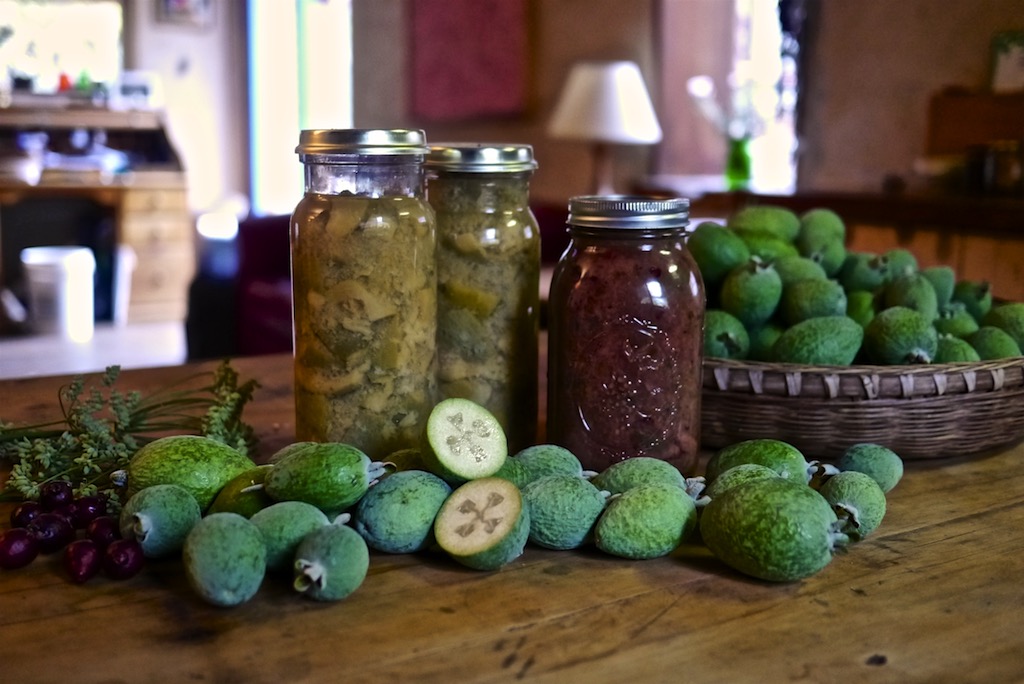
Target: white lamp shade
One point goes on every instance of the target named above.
(605, 102)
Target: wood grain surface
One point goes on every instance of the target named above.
(935, 595)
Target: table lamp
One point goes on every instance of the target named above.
(605, 103)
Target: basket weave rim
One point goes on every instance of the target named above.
(868, 369)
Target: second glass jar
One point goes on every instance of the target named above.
(488, 271)
(625, 344)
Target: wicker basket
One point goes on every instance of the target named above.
(920, 412)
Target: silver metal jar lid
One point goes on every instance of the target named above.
(629, 212)
(480, 157)
(376, 141)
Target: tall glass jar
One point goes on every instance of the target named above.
(625, 343)
(488, 271)
(364, 290)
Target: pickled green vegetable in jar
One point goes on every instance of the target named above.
(364, 291)
(488, 269)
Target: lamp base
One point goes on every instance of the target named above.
(602, 182)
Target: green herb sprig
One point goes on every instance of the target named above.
(102, 427)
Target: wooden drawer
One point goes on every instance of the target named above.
(143, 231)
(162, 274)
(155, 200)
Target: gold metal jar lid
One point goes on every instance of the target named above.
(375, 141)
(480, 158)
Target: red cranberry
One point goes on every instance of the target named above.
(82, 559)
(122, 559)
(18, 548)
(52, 531)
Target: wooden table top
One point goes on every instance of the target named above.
(935, 595)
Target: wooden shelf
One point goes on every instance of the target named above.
(79, 117)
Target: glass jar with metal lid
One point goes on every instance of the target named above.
(625, 334)
(364, 290)
(488, 270)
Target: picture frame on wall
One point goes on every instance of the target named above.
(193, 13)
(1008, 62)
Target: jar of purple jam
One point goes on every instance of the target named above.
(625, 334)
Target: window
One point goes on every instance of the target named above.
(300, 76)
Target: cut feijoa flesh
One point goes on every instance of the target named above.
(483, 524)
(464, 441)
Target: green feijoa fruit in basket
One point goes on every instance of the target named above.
(857, 500)
(283, 525)
(331, 562)
(633, 472)
(159, 518)
(913, 291)
(782, 457)
(331, 476)
(943, 279)
(811, 299)
(762, 339)
(955, 350)
(793, 269)
(463, 441)
(397, 514)
(1008, 317)
(880, 462)
(954, 319)
(976, 295)
(993, 343)
(484, 524)
(647, 521)
(563, 510)
(774, 529)
(737, 475)
(751, 292)
(821, 341)
(717, 250)
(899, 335)
(225, 559)
(725, 336)
(548, 459)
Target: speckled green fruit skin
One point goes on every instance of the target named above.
(913, 291)
(899, 262)
(515, 472)
(767, 248)
(331, 476)
(975, 295)
(283, 525)
(648, 521)
(762, 339)
(717, 250)
(812, 298)
(943, 279)
(860, 306)
(792, 269)
(232, 498)
(858, 500)
(993, 343)
(899, 335)
(824, 222)
(225, 559)
(563, 510)
(725, 336)
(880, 462)
(774, 529)
(396, 515)
(331, 562)
(822, 341)
(636, 471)
(782, 457)
(954, 319)
(1009, 318)
(863, 271)
(159, 518)
(548, 459)
(763, 219)
(199, 464)
(506, 547)
(751, 292)
(737, 475)
(955, 350)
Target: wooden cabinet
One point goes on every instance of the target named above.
(148, 204)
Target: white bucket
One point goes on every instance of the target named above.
(60, 290)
